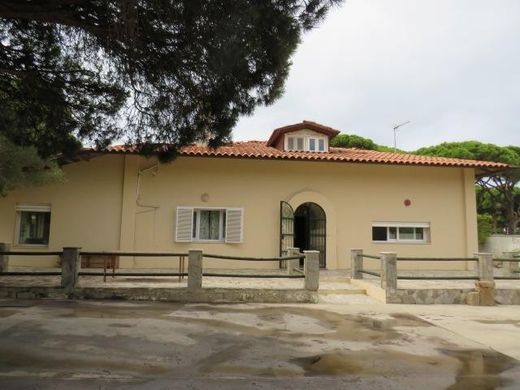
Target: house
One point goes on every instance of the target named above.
(253, 199)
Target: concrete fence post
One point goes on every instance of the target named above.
(485, 267)
(312, 270)
(389, 271)
(70, 266)
(194, 269)
(486, 284)
(356, 256)
(4, 259)
(293, 264)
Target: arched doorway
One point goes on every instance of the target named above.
(310, 233)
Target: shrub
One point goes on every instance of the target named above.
(485, 227)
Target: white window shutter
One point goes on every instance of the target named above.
(234, 225)
(184, 225)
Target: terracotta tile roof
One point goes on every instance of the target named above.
(260, 150)
(305, 125)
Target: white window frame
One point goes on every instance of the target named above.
(324, 144)
(425, 226)
(221, 228)
(230, 232)
(306, 143)
(37, 208)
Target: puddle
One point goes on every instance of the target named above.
(330, 364)
(18, 303)
(111, 310)
(7, 312)
(468, 369)
(380, 363)
(336, 326)
(121, 325)
(10, 359)
(481, 369)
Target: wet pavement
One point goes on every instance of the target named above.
(125, 345)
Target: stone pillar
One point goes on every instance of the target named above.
(356, 256)
(485, 286)
(293, 264)
(4, 259)
(312, 270)
(70, 266)
(389, 271)
(195, 270)
(485, 266)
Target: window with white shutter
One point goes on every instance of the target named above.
(209, 224)
(234, 225)
(184, 225)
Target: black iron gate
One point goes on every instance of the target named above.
(286, 230)
(310, 229)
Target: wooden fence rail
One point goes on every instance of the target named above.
(71, 265)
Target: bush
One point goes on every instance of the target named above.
(485, 227)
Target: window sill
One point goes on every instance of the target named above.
(209, 241)
(29, 246)
(402, 242)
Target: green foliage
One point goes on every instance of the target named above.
(20, 166)
(165, 71)
(485, 227)
(474, 150)
(497, 192)
(353, 141)
(358, 142)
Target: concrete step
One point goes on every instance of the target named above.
(347, 299)
(346, 291)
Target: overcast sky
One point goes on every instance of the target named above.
(451, 67)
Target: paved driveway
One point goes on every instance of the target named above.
(88, 344)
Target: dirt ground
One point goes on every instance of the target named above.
(127, 345)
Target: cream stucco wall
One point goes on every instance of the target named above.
(107, 205)
(85, 209)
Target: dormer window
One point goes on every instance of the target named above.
(296, 144)
(306, 143)
(316, 144)
(302, 137)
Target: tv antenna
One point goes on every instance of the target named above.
(396, 127)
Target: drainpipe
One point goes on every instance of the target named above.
(149, 208)
(154, 169)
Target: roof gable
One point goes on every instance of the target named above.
(305, 125)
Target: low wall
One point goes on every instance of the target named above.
(437, 296)
(430, 296)
(206, 295)
(497, 244)
(507, 297)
